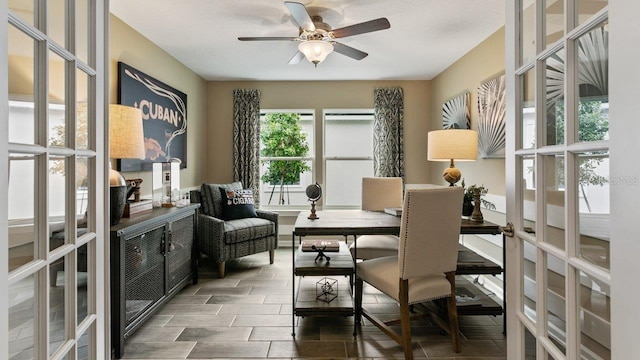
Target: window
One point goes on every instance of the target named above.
(286, 156)
(348, 155)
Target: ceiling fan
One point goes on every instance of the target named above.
(317, 39)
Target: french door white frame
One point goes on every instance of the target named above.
(624, 179)
(96, 322)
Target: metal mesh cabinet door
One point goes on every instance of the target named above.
(179, 250)
(144, 272)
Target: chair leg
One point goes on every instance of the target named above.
(272, 255)
(358, 296)
(221, 269)
(453, 313)
(405, 319)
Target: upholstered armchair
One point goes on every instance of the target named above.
(225, 239)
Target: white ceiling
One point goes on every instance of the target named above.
(426, 36)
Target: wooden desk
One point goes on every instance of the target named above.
(361, 222)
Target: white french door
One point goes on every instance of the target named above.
(53, 165)
(559, 260)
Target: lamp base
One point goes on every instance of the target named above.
(451, 175)
(117, 202)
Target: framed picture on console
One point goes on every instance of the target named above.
(164, 115)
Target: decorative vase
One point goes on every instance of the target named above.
(467, 208)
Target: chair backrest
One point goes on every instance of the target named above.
(211, 199)
(381, 192)
(429, 231)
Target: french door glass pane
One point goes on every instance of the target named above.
(57, 304)
(586, 8)
(82, 108)
(527, 31)
(57, 20)
(529, 191)
(529, 280)
(344, 181)
(593, 196)
(57, 201)
(82, 30)
(22, 315)
(554, 21)
(24, 9)
(555, 105)
(555, 297)
(554, 200)
(528, 84)
(594, 317)
(529, 345)
(82, 191)
(22, 219)
(57, 91)
(84, 344)
(593, 85)
(21, 50)
(83, 284)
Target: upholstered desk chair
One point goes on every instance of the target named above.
(378, 193)
(425, 265)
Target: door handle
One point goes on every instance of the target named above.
(507, 230)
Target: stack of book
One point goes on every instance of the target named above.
(324, 245)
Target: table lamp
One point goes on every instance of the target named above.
(126, 141)
(450, 145)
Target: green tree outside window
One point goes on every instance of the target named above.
(282, 136)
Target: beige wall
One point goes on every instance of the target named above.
(316, 95)
(130, 47)
(482, 63)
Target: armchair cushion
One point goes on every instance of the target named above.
(237, 204)
(237, 231)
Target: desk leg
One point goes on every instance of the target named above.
(293, 282)
(353, 284)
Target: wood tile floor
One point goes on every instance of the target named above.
(247, 315)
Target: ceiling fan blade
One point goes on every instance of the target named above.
(300, 15)
(361, 28)
(349, 51)
(268, 38)
(296, 58)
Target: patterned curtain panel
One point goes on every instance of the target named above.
(246, 140)
(388, 138)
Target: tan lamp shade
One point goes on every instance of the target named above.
(453, 144)
(126, 137)
(449, 145)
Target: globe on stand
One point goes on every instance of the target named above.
(314, 193)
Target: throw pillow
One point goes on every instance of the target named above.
(237, 204)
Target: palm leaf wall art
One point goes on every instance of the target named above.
(491, 118)
(455, 113)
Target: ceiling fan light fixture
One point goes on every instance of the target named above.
(315, 50)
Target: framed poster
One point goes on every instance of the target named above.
(164, 118)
